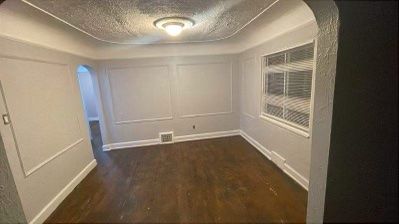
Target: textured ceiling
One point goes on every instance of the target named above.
(131, 21)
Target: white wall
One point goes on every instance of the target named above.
(294, 148)
(143, 97)
(47, 145)
(88, 95)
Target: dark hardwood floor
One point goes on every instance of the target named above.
(223, 180)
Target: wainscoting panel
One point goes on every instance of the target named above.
(140, 94)
(249, 87)
(42, 110)
(204, 89)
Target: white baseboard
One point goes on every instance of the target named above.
(256, 144)
(131, 144)
(296, 176)
(182, 138)
(53, 204)
(217, 134)
(278, 160)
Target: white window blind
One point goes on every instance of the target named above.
(287, 86)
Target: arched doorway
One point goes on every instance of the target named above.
(91, 104)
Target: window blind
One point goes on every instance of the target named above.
(287, 86)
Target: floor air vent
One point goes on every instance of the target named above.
(166, 137)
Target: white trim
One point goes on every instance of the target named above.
(278, 160)
(256, 144)
(242, 79)
(130, 144)
(143, 120)
(182, 138)
(72, 86)
(206, 114)
(53, 204)
(217, 134)
(29, 172)
(283, 124)
(301, 180)
(108, 71)
(209, 113)
(275, 120)
(291, 172)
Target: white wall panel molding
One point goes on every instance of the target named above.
(13, 101)
(146, 95)
(209, 94)
(62, 151)
(206, 114)
(143, 120)
(249, 88)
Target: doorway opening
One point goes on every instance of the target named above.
(86, 78)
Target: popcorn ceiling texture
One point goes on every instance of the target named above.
(131, 21)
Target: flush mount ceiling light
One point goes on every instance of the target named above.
(174, 25)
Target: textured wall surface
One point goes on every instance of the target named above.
(10, 205)
(125, 21)
(326, 14)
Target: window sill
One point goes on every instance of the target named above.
(285, 126)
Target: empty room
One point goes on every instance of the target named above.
(189, 111)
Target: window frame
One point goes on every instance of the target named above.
(291, 126)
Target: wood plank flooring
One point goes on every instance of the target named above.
(223, 180)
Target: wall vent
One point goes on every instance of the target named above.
(166, 137)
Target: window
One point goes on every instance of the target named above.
(287, 87)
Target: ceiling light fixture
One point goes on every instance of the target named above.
(174, 25)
